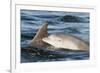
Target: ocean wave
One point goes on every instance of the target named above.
(75, 23)
(70, 18)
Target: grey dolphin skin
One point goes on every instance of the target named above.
(65, 41)
(37, 40)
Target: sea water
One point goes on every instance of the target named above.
(75, 23)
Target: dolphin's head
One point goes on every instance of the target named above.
(54, 40)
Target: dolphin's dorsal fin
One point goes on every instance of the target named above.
(41, 33)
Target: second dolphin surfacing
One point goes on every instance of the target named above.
(43, 40)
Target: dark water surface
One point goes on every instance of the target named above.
(75, 23)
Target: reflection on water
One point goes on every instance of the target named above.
(76, 23)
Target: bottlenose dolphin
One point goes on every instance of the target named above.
(65, 41)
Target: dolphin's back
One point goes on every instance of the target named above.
(82, 45)
(69, 42)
